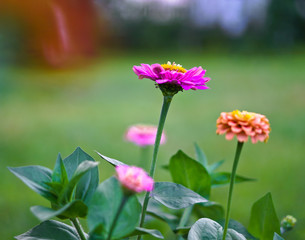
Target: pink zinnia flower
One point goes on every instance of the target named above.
(172, 73)
(134, 179)
(143, 135)
(243, 124)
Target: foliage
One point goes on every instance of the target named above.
(50, 229)
(71, 198)
(103, 207)
(207, 229)
(69, 187)
(264, 221)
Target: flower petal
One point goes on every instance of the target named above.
(230, 135)
(191, 79)
(242, 137)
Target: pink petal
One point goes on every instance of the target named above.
(247, 129)
(232, 123)
(157, 68)
(236, 129)
(221, 130)
(258, 130)
(186, 86)
(254, 139)
(261, 137)
(230, 135)
(242, 137)
(160, 81)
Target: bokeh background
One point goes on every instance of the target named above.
(66, 80)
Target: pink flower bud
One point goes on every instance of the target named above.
(134, 179)
(143, 135)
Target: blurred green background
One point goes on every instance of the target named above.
(47, 108)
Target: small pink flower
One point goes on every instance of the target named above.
(143, 135)
(172, 73)
(243, 124)
(134, 179)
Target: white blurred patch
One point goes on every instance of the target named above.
(170, 3)
(233, 16)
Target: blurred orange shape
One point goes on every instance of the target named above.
(59, 32)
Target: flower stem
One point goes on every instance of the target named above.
(124, 200)
(232, 180)
(185, 217)
(78, 228)
(166, 103)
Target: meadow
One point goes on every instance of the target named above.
(45, 111)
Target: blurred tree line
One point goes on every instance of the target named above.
(282, 26)
(78, 29)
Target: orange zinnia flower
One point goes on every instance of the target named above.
(243, 124)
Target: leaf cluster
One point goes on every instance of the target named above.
(73, 191)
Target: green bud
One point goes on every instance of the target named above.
(288, 223)
(169, 89)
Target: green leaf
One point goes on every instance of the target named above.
(104, 206)
(238, 227)
(50, 230)
(277, 237)
(71, 210)
(170, 219)
(163, 216)
(59, 173)
(35, 177)
(201, 156)
(56, 188)
(190, 173)
(175, 196)
(81, 170)
(232, 234)
(210, 210)
(264, 221)
(112, 161)
(207, 229)
(143, 231)
(98, 233)
(214, 166)
(223, 178)
(89, 182)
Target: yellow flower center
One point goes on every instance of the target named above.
(243, 115)
(173, 67)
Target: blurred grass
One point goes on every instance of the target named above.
(44, 112)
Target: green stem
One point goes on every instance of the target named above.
(185, 217)
(232, 180)
(166, 103)
(124, 200)
(78, 228)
